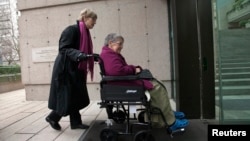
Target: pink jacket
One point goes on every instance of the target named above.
(116, 65)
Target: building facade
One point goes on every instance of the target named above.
(198, 48)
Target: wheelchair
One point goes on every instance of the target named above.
(118, 99)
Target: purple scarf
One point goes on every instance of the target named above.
(86, 46)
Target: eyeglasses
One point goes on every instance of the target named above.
(118, 43)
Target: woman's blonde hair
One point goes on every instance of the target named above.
(87, 13)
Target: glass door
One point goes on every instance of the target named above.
(231, 22)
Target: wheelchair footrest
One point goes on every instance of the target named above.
(178, 131)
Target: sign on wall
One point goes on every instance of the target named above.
(44, 54)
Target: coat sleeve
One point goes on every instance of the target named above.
(69, 43)
(116, 65)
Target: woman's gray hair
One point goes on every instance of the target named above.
(112, 37)
(87, 13)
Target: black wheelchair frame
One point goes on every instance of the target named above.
(121, 97)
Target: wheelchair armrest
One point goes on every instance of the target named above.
(119, 78)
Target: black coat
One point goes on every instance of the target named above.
(68, 89)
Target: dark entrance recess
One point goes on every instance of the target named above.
(192, 42)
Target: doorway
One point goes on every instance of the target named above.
(191, 33)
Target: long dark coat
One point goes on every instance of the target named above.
(68, 89)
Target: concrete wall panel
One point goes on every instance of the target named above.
(37, 28)
(40, 73)
(37, 92)
(133, 28)
(41, 92)
(23, 44)
(107, 22)
(25, 64)
(94, 91)
(158, 36)
(33, 4)
(58, 19)
(23, 4)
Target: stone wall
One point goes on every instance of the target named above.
(10, 86)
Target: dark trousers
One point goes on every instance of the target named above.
(74, 117)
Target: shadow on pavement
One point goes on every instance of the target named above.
(196, 131)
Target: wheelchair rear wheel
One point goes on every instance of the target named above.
(144, 136)
(108, 135)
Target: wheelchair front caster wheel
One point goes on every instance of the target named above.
(144, 136)
(119, 116)
(108, 135)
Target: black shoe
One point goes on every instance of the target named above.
(53, 124)
(79, 126)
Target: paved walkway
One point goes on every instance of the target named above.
(22, 120)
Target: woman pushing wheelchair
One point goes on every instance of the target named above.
(116, 65)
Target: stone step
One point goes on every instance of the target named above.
(235, 65)
(234, 82)
(234, 42)
(233, 90)
(235, 59)
(238, 75)
(232, 70)
(235, 52)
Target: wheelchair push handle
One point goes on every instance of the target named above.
(93, 55)
(84, 57)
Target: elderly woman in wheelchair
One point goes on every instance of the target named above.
(114, 64)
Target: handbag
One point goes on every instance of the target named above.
(145, 74)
